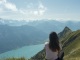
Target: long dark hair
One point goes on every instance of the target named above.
(54, 42)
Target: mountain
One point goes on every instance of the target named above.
(53, 25)
(12, 22)
(48, 25)
(12, 37)
(45, 25)
(66, 31)
(73, 25)
(71, 46)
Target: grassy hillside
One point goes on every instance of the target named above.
(72, 46)
(22, 58)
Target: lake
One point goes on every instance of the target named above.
(26, 51)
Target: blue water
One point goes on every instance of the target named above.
(27, 52)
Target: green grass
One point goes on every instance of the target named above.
(72, 46)
(72, 51)
(69, 36)
(22, 58)
(72, 58)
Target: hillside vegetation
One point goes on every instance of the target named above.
(72, 46)
(22, 58)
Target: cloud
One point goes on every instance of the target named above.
(2, 1)
(11, 6)
(8, 5)
(31, 8)
(31, 11)
(36, 12)
(40, 10)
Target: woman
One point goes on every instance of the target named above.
(52, 47)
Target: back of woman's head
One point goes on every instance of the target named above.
(54, 42)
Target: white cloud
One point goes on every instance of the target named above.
(2, 1)
(41, 6)
(38, 11)
(42, 9)
(11, 6)
(24, 11)
(31, 11)
(35, 12)
(8, 5)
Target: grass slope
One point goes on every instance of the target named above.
(72, 48)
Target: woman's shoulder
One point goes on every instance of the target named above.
(46, 43)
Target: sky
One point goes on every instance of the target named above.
(40, 9)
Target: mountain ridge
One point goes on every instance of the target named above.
(44, 25)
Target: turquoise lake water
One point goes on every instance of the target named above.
(26, 51)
